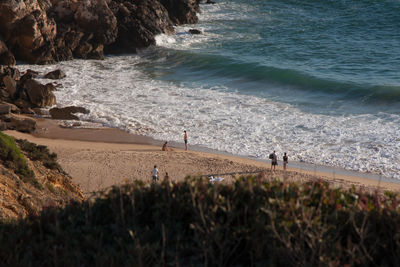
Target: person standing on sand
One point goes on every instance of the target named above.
(155, 173)
(274, 160)
(185, 138)
(166, 177)
(285, 161)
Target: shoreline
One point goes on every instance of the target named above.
(118, 136)
(99, 158)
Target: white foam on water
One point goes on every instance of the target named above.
(119, 95)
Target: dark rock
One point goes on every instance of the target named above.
(195, 31)
(138, 23)
(26, 125)
(10, 85)
(41, 111)
(55, 74)
(182, 11)
(28, 111)
(67, 113)
(21, 103)
(38, 94)
(5, 109)
(84, 27)
(210, 2)
(9, 71)
(6, 57)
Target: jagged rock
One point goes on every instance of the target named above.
(10, 85)
(6, 57)
(45, 31)
(38, 94)
(84, 28)
(67, 113)
(22, 104)
(5, 109)
(26, 125)
(27, 30)
(138, 23)
(10, 71)
(182, 11)
(195, 31)
(55, 74)
(13, 108)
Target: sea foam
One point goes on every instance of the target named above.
(119, 95)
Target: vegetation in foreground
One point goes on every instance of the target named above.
(194, 223)
(12, 158)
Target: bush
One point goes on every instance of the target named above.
(40, 153)
(12, 158)
(194, 223)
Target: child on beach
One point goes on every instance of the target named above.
(155, 173)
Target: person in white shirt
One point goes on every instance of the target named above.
(155, 173)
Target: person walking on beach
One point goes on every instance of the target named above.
(285, 161)
(185, 138)
(155, 173)
(274, 160)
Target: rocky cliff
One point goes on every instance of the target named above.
(45, 31)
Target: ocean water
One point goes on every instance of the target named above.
(318, 79)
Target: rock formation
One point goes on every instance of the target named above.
(45, 31)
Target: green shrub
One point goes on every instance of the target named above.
(12, 158)
(40, 153)
(195, 223)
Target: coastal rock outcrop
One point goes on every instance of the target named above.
(138, 23)
(27, 30)
(182, 11)
(45, 31)
(6, 57)
(84, 28)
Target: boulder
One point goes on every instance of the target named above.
(5, 109)
(38, 94)
(195, 31)
(55, 74)
(11, 85)
(10, 71)
(67, 113)
(26, 125)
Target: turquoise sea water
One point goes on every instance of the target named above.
(323, 56)
(319, 80)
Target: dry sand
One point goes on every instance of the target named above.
(99, 158)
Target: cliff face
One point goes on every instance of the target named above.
(29, 184)
(44, 31)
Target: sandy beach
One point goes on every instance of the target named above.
(99, 158)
